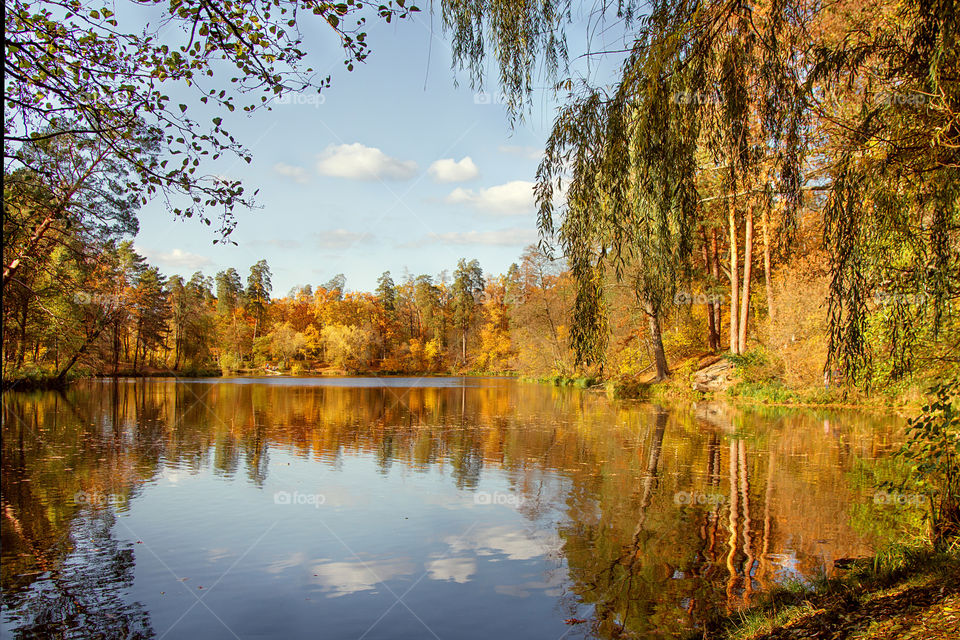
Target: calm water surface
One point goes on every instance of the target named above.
(442, 508)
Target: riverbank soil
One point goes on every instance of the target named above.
(922, 602)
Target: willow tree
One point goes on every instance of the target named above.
(709, 76)
(623, 207)
(872, 86)
(889, 99)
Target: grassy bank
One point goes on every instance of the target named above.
(40, 380)
(579, 382)
(904, 592)
(755, 380)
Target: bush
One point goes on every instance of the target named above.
(932, 451)
(229, 363)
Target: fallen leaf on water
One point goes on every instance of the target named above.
(574, 621)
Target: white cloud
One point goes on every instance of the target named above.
(533, 153)
(515, 197)
(344, 578)
(297, 174)
(340, 239)
(515, 544)
(359, 162)
(456, 569)
(501, 238)
(449, 170)
(176, 259)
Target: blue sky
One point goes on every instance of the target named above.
(391, 168)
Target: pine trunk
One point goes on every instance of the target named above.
(747, 272)
(715, 271)
(734, 283)
(711, 322)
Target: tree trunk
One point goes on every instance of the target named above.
(711, 321)
(177, 341)
(116, 347)
(765, 223)
(715, 272)
(81, 351)
(38, 233)
(21, 348)
(747, 270)
(136, 347)
(734, 283)
(656, 341)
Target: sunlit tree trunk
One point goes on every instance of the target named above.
(136, 346)
(734, 282)
(765, 223)
(715, 271)
(747, 272)
(711, 321)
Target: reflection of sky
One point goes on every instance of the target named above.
(455, 569)
(516, 543)
(348, 577)
(788, 567)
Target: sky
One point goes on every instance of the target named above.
(393, 167)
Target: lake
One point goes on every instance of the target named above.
(366, 508)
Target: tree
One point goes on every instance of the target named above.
(745, 89)
(336, 285)
(347, 347)
(496, 348)
(286, 343)
(258, 292)
(467, 288)
(229, 291)
(69, 187)
(386, 292)
(80, 57)
(150, 312)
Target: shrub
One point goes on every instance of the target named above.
(932, 452)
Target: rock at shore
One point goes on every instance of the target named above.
(717, 376)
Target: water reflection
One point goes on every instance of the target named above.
(465, 507)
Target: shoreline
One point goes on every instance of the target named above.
(622, 388)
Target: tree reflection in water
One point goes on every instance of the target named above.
(652, 536)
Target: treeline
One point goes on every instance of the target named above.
(88, 304)
(100, 308)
